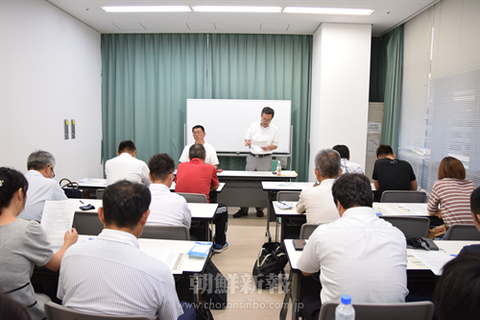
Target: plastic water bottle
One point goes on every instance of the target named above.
(279, 168)
(344, 310)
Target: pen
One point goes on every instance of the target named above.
(81, 201)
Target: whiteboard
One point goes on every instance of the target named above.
(226, 122)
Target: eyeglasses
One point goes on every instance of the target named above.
(53, 172)
(196, 133)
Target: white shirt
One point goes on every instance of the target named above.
(351, 167)
(360, 255)
(210, 153)
(127, 167)
(317, 202)
(110, 275)
(39, 190)
(256, 132)
(167, 208)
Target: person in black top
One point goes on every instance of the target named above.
(390, 173)
(475, 207)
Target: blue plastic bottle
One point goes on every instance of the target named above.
(344, 310)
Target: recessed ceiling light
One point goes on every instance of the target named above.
(237, 9)
(349, 11)
(147, 9)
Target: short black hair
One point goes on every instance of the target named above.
(343, 150)
(268, 110)
(124, 203)
(161, 165)
(475, 203)
(457, 292)
(327, 162)
(384, 150)
(353, 190)
(126, 146)
(198, 127)
(196, 151)
(10, 181)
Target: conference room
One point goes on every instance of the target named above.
(77, 80)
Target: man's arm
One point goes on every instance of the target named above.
(376, 184)
(413, 185)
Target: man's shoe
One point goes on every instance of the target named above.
(239, 214)
(259, 213)
(217, 248)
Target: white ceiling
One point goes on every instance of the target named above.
(388, 14)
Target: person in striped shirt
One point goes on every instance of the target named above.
(450, 196)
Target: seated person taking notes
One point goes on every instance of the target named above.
(110, 275)
(166, 208)
(359, 254)
(126, 166)
(475, 207)
(42, 187)
(347, 165)
(317, 202)
(195, 176)
(199, 136)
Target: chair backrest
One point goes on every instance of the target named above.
(307, 229)
(99, 193)
(462, 232)
(87, 223)
(288, 195)
(405, 196)
(166, 232)
(58, 312)
(194, 197)
(410, 226)
(422, 310)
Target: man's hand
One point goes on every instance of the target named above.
(70, 237)
(247, 143)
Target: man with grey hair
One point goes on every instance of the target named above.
(41, 185)
(317, 202)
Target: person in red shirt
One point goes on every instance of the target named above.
(195, 176)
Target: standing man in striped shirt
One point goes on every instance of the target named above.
(110, 275)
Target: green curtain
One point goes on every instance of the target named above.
(393, 87)
(147, 78)
(266, 67)
(146, 81)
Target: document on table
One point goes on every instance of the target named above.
(435, 260)
(259, 143)
(173, 260)
(57, 218)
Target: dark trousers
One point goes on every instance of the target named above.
(221, 224)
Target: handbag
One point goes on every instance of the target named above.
(71, 189)
(270, 263)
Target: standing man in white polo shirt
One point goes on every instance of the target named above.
(199, 136)
(260, 158)
(126, 166)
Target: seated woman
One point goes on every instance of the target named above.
(450, 196)
(23, 244)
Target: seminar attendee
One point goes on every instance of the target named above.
(260, 158)
(475, 207)
(457, 292)
(42, 187)
(195, 176)
(24, 244)
(167, 208)
(317, 202)
(347, 166)
(110, 274)
(127, 166)
(359, 254)
(390, 173)
(199, 136)
(450, 196)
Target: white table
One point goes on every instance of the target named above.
(449, 247)
(202, 212)
(91, 183)
(221, 185)
(402, 209)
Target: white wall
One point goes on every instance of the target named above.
(340, 84)
(50, 70)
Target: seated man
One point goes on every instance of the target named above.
(392, 174)
(126, 166)
(167, 208)
(41, 185)
(475, 207)
(347, 166)
(317, 202)
(199, 136)
(110, 274)
(197, 177)
(360, 254)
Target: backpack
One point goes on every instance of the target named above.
(270, 263)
